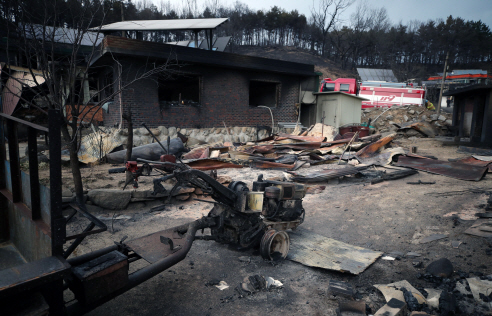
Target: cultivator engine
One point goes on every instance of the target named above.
(247, 218)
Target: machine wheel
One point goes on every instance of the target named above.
(274, 245)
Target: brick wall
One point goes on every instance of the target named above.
(224, 98)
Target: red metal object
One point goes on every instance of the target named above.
(131, 166)
(363, 130)
(345, 129)
(347, 85)
(168, 158)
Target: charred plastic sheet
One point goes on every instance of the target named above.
(315, 250)
(455, 170)
(149, 152)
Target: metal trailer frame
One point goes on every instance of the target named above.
(46, 274)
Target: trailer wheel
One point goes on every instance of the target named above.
(274, 245)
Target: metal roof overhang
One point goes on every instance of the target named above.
(468, 89)
(163, 25)
(205, 57)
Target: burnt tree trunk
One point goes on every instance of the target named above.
(74, 160)
(129, 143)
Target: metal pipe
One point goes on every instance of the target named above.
(442, 83)
(150, 271)
(271, 114)
(148, 130)
(91, 255)
(77, 241)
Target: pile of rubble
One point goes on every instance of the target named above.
(441, 292)
(344, 157)
(384, 119)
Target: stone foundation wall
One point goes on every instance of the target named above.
(196, 136)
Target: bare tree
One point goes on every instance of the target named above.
(327, 15)
(57, 61)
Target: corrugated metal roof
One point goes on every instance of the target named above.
(61, 34)
(164, 25)
(221, 43)
(368, 74)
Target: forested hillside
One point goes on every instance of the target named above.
(367, 39)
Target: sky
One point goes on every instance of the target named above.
(398, 10)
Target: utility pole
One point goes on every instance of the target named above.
(442, 83)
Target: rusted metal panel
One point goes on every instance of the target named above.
(152, 249)
(263, 149)
(371, 149)
(299, 146)
(30, 275)
(455, 170)
(384, 158)
(282, 136)
(327, 150)
(196, 153)
(205, 153)
(474, 161)
(271, 165)
(314, 250)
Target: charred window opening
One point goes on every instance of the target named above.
(263, 93)
(179, 90)
(93, 90)
(106, 86)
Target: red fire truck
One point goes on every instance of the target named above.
(377, 93)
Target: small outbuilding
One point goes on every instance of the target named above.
(337, 108)
(472, 113)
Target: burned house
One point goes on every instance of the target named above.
(191, 87)
(198, 88)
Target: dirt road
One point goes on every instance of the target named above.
(389, 216)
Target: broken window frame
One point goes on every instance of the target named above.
(278, 87)
(106, 85)
(164, 103)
